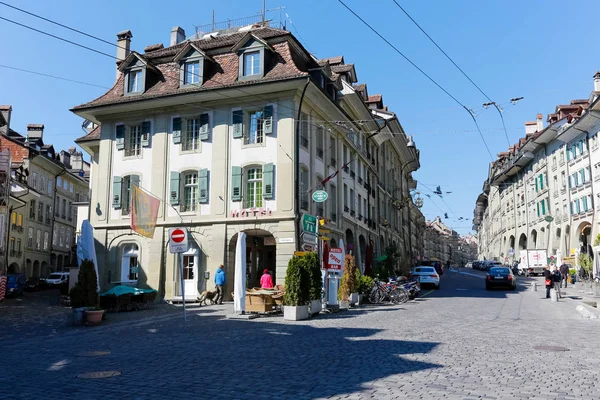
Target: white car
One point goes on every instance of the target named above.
(426, 276)
(469, 265)
(56, 278)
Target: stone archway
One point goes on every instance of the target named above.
(523, 242)
(14, 268)
(36, 268)
(260, 255)
(332, 243)
(350, 242)
(45, 270)
(584, 238)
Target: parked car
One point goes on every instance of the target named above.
(15, 285)
(469, 265)
(426, 276)
(35, 284)
(500, 277)
(55, 279)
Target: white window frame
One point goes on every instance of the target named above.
(189, 191)
(252, 186)
(133, 141)
(191, 137)
(130, 251)
(256, 62)
(258, 136)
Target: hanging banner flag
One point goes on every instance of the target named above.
(144, 210)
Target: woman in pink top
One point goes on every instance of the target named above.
(266, 282)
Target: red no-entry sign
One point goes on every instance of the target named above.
(178, 241)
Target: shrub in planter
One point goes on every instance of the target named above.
(316, 281)
(297, 283)
(88, 281)
(363, 283)
(77, 298)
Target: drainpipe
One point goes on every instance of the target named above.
(297, 167)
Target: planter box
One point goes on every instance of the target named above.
(360, 299)
(344, 305)
(353, 299)
(295, 313)
(93, 317)
(315, 307)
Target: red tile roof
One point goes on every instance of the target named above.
(374, 98)
(334, 60)
(341, 68)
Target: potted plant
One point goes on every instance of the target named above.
(297, 291)
(347, 292)
(84, 294)
(587, 264)
(316, 282)
(364, 284)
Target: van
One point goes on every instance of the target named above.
(57, 278)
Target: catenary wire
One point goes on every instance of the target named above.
(53, 76)
(420, 70)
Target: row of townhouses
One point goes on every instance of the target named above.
(544, 192)
(445, 244)
(46, 190)
(233, 131)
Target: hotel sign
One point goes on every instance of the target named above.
(251, 212)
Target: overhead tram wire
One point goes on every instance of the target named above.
(421, 71)
(53, 76)
(456, 65)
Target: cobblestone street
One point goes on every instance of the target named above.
(460, 342)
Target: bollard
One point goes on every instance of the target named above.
(553, 296)
(534, 286)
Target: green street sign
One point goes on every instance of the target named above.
(549, 218)
(309, 224)
(320, 196)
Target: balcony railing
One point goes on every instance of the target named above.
(304, 141)
(319, 153)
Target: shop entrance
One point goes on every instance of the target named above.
(260, 255)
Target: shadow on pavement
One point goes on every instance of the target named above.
(471, 284)
(232, 359)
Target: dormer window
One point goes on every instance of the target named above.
(251, 62)
(192, 72)
(192, 65)
(134, 81)
(253, 58)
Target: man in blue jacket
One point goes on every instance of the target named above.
(219, 282)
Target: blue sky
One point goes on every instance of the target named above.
(544, 51)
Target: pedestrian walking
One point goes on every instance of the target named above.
(548, 281)
(556, 278)
(266, 281)
(219, 283)
(564, 273)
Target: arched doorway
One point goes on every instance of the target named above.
(45, 271)
(36, 268)
(511, 243)
(13, 268)
(362, 243)
(350, 242)
(260, 255)
(584, 243)
(534, 239)
(28, 265)
(523, 242)
(332, 243)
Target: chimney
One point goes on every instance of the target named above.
(597, 82)
(35, 132)
(123, 45)
(177, 35)
(6, 111)
(540, 122)
(65, 159)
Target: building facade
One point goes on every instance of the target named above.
(233, 132)
(541, 193)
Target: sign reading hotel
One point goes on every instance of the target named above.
(335, 259)
(251, 212)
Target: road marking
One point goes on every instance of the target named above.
(432, 290)
(461, 289)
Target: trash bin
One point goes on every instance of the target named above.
(78, 316)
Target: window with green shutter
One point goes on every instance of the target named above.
(541, 181)
(117, 182)
(238, 124)
(536, 184)
(146, 133)
(174, 192)
(203, 186)
(176, 130)
(236, 183)
(268, 120)
(120, 137)
(204, 126)
(538, 208)
(268, 184)
(543, 207)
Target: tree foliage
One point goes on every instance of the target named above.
(348, 282)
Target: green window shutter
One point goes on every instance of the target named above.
(117, 182)
(536, 184)
(120, 137)
(236, 183)
(569, 181)
(176, 130)
(584, 201)
(543, 207)
(577, 206)
(582, 173)
(146, 133)
(268, 120)
(571, 206)
(268, 181)
(238, 124)
(203, 186)
(174, 196)
(538, 209)
(204, 127)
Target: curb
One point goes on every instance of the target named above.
(586, 312)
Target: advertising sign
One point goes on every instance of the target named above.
(335, 259)
(319, 196)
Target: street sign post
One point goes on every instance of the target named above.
(178, 244)
(320, 196)
(309, 237)
(309, 224)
